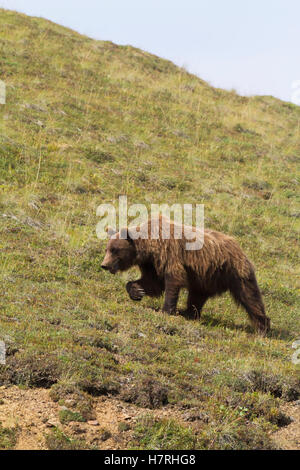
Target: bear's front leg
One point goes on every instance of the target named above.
(135, 290)
(196, 300)
(171, 295)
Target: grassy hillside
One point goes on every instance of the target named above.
(84, 122)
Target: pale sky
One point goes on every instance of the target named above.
(252, 46)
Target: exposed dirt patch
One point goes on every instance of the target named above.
(288, 438)
(36, 415)
(29, 410)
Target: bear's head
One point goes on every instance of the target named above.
(120, 253)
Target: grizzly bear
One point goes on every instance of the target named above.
(167, 266)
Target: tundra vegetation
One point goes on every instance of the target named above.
(86, 121)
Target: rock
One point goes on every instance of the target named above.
(93, 423)
(127, 417)
(141, 145)
(52, 423)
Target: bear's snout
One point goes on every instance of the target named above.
(112, 269)
(110, 265)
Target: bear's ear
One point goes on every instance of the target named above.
(110, 231)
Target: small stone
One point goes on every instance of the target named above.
(52, 423)
(141, 145)
(93, 423)
(127, 417)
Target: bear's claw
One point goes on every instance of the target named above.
(135, 291)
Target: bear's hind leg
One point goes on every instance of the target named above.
(246, 292)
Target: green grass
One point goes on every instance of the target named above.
(86, 121)
(229, 434)
(68, 416)
(8, 438)
(163, 434)
(58, 440)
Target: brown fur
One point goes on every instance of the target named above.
(166, 266)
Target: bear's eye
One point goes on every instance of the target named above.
(114, 251)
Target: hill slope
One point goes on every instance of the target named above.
(84, 122)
